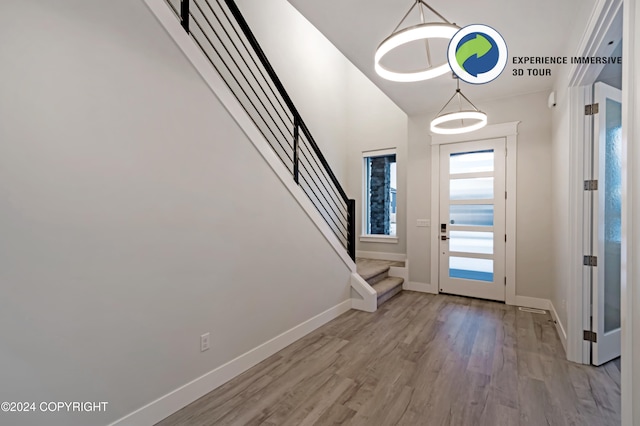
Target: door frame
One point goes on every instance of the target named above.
(630, 278)
(494, 289)
(599, 24)
(603, 24)
(509, 131)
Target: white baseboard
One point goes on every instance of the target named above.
(168, 404)
(559, 327)
(381, 256)
(421, 287)
(532, 302)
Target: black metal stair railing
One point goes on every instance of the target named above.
(223, 35)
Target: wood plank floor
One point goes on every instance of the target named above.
(419, 360)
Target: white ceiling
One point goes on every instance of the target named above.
(530, 28)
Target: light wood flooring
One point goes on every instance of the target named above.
(419, 360)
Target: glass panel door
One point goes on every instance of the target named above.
(607, 160)
(472, 211)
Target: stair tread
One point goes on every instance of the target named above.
(371, 271)
(387, 285)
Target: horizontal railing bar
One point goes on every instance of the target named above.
(174, 9)
(241, 104)
(344, 215)
(330, 202)
(323, 160)
(335, 202)
(334, 187)
(321, 193)
(276, 80)
(308, 173)
(238, 67)
(290, 121)
(325, 210)
(268, 81)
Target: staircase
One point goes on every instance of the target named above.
(226, 42)
(376, 273)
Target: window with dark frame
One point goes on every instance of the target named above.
(380, 205)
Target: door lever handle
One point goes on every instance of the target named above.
(444, 238)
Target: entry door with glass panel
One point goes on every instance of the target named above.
(607, 226)
(472, 219)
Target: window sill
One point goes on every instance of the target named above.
(388, 239)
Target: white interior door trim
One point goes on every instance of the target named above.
(630, 277)
(600, 27)
(579, 289)
(509, 131)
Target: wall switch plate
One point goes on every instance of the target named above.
(424, 223)
(204, 342)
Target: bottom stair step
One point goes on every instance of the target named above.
(387, 288)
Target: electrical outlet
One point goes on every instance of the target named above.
(204, 342)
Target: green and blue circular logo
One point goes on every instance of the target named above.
(477, 54)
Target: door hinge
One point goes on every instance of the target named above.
(505, 281)
(591, 185)
(590, 336)
(505, 195)
(590, 261)
(591, 109)
(505, 238)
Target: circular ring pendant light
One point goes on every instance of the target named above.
(478, 118)
(424, 31)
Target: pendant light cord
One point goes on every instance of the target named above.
(434, 11)
(467, 99)
(422, 3)
(460, 95)
(404, 17)
(447, 104)
(426, 41)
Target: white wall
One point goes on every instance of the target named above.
(375, 122)
(135, 215)
(345, 111)
(419, 199)
(533, 205)
(561, 243)
(312, 70)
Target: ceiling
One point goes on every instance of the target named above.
(530, 28)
